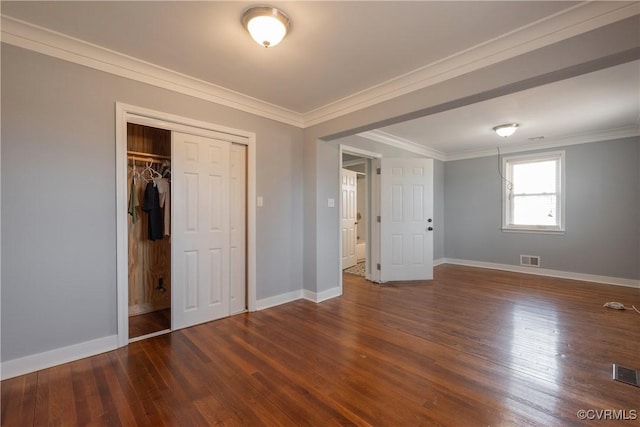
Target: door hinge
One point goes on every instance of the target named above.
(378, 266)
(378, 171)
(378, 218)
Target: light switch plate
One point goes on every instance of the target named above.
(260, 202)
(331, 203)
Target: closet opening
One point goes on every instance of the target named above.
(200, 264)
(149, 230)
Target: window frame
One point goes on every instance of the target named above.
(507, 202)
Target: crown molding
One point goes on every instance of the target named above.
(562, 141)
(402, 143)
(578, 19)
(583, 17)
(42, 40)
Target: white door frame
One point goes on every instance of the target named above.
(126, 113)
(372, 202)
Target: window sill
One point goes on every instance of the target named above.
(532, 230)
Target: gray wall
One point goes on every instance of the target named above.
(328, 250)
(602, 199)
(58, 198)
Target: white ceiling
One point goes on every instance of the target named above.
(342, 49)
(335, 48)
(605, 102)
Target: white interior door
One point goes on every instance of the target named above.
(201, 229)
(238, 175)
(406, 219)
(348, 200)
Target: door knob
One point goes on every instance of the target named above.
(429, 228)
(429, 220)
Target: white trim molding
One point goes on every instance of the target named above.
(58, 356)
(288, 297)
(322, 296)
(510, 184)
(402, 143)
(582, 17)
(347, 149)
(561, 141)
(607, 280)
(48, 42)
(578, 19)
(276, 300)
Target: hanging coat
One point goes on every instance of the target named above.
(133, 202)
(165, 203)
(151, 205)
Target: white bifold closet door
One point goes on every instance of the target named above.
(202, 230)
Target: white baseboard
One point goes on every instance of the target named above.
(296, 295)
(619, 281)
(47, 359)
(437, 262)
(322, 296)
(278, 299)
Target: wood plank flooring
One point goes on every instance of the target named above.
(473, 347)
(148, 323)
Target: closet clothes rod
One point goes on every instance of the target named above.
(143, 155)
(145, 159)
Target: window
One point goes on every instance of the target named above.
(533, 192)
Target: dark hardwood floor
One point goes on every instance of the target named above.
(473, 347)
(148, 323)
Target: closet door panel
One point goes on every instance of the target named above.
(216, 203)
(191, 202)
(215, 286)
(190, 281)
(201, 227)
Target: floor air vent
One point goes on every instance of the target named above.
(626, 375)
(530, 260)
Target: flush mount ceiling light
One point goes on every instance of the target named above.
(506, 130)
(267, 25)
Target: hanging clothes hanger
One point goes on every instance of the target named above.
(148, 173)
(151, 173)
(135, 174)
(166, 169)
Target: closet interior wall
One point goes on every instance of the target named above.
(149, 261)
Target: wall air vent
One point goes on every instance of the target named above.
(530, 260)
